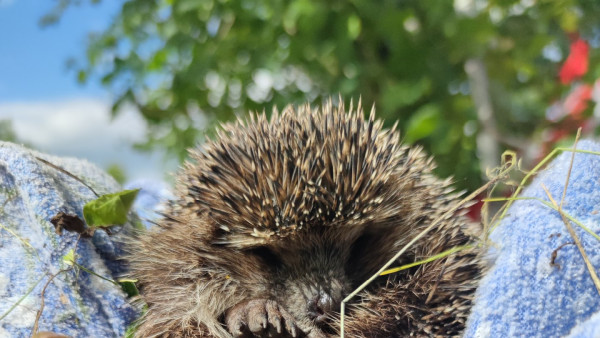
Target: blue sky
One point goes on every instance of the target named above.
(47, 106)
(32, 59)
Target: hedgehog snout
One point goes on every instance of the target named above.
(320, 306)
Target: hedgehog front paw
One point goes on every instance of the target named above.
(261, 318)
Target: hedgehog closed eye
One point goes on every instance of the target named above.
(266, 255)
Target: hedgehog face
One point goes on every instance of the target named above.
(309, 275)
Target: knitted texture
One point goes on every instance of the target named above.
(75, 303)
(524, 294)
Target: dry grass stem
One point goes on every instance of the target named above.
(67, 173)
(589, 265)
(39, 312)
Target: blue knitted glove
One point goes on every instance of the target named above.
(524, 294)
(75, 304)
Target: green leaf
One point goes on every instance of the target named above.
(404, 93)
(81, 76)
(354, 26)
(157, 61)
(128, 286)
(117, 173)
(568, 21)
(422, 123)
(109, 209)
(69, 258)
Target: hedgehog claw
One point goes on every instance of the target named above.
(261, 318)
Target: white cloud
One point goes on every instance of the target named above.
(83, 128)
(73, 125)
(6, 3)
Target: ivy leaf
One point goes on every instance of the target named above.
(109, 209)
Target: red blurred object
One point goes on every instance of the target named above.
(576, 64)
(577, 100)
(554, 136)
(474, 213)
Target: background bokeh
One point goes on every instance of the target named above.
(466, 79)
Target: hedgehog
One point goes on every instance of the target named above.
(278, 219)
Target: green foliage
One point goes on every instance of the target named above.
(128, 286)
(422, 123)
(117, 173)
(131, 330)
(61, 5)
(6, 131)
(69, 257)
(109, 209)
(184, 63)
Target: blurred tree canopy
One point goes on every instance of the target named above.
(188, 63)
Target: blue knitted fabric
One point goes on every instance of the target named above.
(76, 304)
(523, 295)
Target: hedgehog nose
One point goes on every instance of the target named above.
(320, 306)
